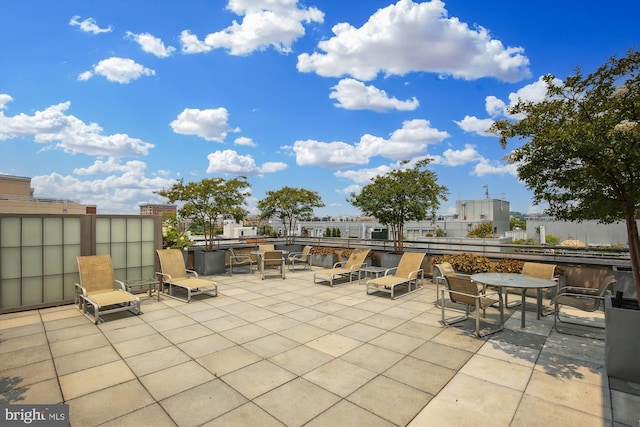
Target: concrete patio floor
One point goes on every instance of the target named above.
(291, 353)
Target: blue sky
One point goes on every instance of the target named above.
(105, 102)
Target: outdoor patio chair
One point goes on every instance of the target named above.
(266, 247)
(349, 268)
(272, 259)
(241, 260)
(297, 258)
(442, 270)
(98, 292)
(174, 274)
(583, 299)
(534, 269)
(408, 272)
(464, 291)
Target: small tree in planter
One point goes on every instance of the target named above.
(290, 205)
(405, 194)
(209, 200)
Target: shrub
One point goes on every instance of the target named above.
(507, 266)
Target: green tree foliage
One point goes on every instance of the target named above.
(482, 231)
(551, 239)
(582, 147)
(516, 222)
(290, 205)
(405, 194)
(209, 200)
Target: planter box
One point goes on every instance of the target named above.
(622, 347)
(209, 263)
(325, 261)
(390, 260)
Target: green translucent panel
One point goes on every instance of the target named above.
(148, 272)
(69, 285)
(53, 260)
(120, 274)
(134, 257)
(148, 250)
(119, 255)
(52, 230)
(72, 230)
(53, 288)
(103, 249)
(134, 273)
(10, 293)
(10, 263)
(32, 261)
(31, 232)
(148, 229)
(118, 230)
(133, 229)
(10, 232)
(70, 260)
(31, 290)
(103, 230)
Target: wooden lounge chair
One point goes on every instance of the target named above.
(99, 292)
(463, 290)
(350, 268)
(408, 272)
(272, 259)
(297, 258)
(584, 299)
(175, 274)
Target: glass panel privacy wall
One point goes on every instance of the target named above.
(38, 265)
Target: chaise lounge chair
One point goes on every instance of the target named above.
(407, 273)
(175, 274)
(350, 268)
(98, 290)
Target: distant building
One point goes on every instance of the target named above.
(157, 209)
(16, 196)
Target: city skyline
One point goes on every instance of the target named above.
(104, 103)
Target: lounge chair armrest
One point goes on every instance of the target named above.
(358, 267)
(164, 276)
(294, 254)
(121, 284)
(581, 295)
(577, 290)
(192, 272)
(416, 273)
(389, 271)
(338, 264)
(81, 289)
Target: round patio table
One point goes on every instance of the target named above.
(513, 280)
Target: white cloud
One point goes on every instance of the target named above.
(70, 133)
(111, 165)
(4, 100)
(151, 44)
(405, 143)
(112, 194)
(243, 140)
(211, 124)
(276, 23)
(230, 162)
(484, 167)
(407, 37)
(364, 176)
(89, 25)
(460, 157)
(354, 95)
(120, 70)
(191, 44)
(475, 125)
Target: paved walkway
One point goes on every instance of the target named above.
(292, 353)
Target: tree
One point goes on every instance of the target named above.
(290, 205)
(409, 194)
(209, 200)
(582, 147)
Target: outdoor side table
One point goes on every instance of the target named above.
(139, 284)
(372, 272)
